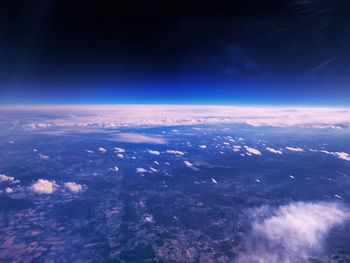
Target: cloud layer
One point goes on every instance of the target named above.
(114, 116)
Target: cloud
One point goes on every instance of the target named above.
(44, 157)
(112, 116)
(153, 170)
(141, 170)
(236, 148)
(273, 150)
(175, 152)
(188, 164)
(191, 165)
(9, 190)
(120, 156)
(153, 152)
(291, 233)
(341, 155)
(102, 150)
(115, 169)
(74, 187)
(138, 138)
(119, 150)
(252, 150)
(203, 146)
(6, 178)
(43, 186)
(294, 149)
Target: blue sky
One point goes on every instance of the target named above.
(234, 52)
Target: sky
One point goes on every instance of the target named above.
(247, 52)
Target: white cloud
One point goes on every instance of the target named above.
(273, 150)
(341, 155)
(214, 181)
(74, 187)
(188, 164)
(153, 152)
(9, 190)
(294, 149)
(291, 233)
(115, 169)
(138, 138)
(175, 152)
(191, 165)
(203, 146)
(141, 170)
(253, 151)
(236, 148)
(43, 186)
(102, 150)
(154, 170)
(6, 178)
(119, 150)
(147, 218)
(44, 157)
(120, 156)
(112, 116)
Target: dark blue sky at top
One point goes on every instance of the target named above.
(222, 52)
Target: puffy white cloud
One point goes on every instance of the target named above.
(147, 218)
(115, 169)
(120, 156)
(141, 170)
(153, 152)
(43, 186)
(188, 164)
(102, 150)
(191, 165)
(291, 233)
(294, 149)
(119, 150)
(236, 148)
(175, 152)
(203, 146)
(273, 150)
(252, 151)
(73, 187)
(9, 190)
(6, 178)
(341, 155)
